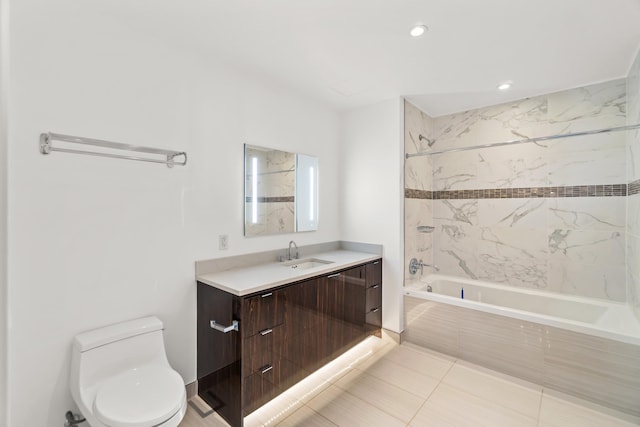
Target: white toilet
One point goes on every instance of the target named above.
(120, 377)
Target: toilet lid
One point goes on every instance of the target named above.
(144, 396)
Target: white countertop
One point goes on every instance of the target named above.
(248, 280)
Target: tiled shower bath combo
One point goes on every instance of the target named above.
(559, 218)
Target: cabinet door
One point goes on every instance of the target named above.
(303, 326)
(219, 354)
(353, 308)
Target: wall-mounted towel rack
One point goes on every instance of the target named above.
(167, 157)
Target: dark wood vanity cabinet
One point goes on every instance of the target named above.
(284, 334)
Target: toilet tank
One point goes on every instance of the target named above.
(107, 351)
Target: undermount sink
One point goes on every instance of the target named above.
(303, 264)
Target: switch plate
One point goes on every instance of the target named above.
(223, 242)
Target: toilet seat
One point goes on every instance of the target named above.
(144, 396)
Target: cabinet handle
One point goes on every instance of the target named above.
(266, 332)
(375, 287)
(331, 276)
(376, 262)
(224, 329)
(375, 310)
(266, 369)
(267, 295)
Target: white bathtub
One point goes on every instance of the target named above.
(585, 347)
(595, 317)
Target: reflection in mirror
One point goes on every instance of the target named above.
(306, 193)
(280, 191)
(269, 191)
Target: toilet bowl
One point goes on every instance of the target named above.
(120, 377)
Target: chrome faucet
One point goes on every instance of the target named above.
(294, 244)
(414, 264)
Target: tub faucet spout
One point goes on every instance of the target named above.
(414, 264)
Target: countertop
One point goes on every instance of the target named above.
(249, 280)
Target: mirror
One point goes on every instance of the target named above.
(280, 192)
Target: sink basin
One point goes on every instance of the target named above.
(303, 264)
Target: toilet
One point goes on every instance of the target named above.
(120, 377)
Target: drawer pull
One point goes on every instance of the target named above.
(375, 310)
(222, 328)
(375, 287)
(376, 262)
(331, 276)
(267, 295)
(266, 332)
(266, 369)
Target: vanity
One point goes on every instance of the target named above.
(262, 328)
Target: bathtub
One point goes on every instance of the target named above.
(585, 347)
(600, 318)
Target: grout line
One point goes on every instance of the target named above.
(309, 408)
(432, 392)
(540, 407)
(382, 409)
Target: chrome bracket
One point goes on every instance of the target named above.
(224, 329)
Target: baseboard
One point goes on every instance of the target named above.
(192, 389)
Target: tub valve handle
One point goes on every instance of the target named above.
(414, 264)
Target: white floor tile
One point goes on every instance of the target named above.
(511, 393)
(346, 410)
(423, 362)
(567, 412)
(306, 417)
(402, 377)
(393, 400)
(274, 411)
(457, 408)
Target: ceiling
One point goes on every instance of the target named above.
(350, 53)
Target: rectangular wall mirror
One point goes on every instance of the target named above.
(280, 191)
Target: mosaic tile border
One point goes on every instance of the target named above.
(277, 199)
(607, 190)
(633, 188)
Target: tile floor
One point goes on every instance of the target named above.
(380, 383)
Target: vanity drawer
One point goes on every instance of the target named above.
(374, 298)
(268, 381)
(259, 388)
(374, 273)
(374, 316)
(262, 312)
(262, 348)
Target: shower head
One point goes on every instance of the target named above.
(430, 142)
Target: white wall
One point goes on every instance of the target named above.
(95, 241)
(372, 192)
(3, 206)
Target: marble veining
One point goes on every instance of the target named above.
(549, 215)
(609, 216)
(465, 212)
(596, 101)
(633, 176)
(590, 247)
(512, 214)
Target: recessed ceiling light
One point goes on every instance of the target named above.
(505, 85)
(418, 30)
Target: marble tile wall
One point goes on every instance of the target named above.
(633, 175)
(573, 245)
(418, 175)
